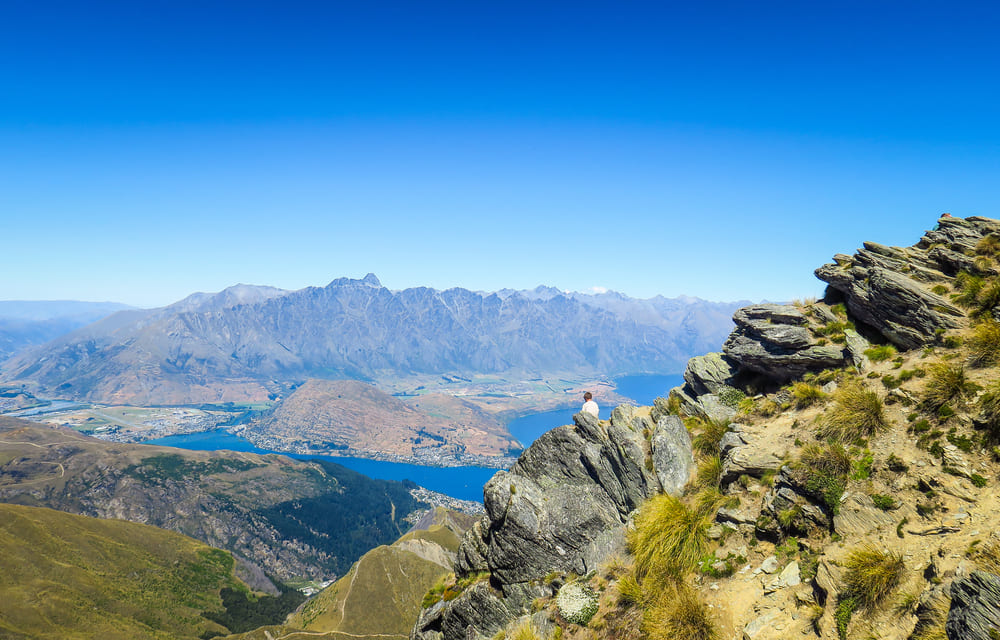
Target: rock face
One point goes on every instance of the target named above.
(975, 607)
(888, 296)
(885, 287)
(772, 340)
(562, 507)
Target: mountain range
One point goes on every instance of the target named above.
(28, 323)
(250, 343)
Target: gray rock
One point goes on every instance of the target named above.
(975, 607)
(856, 347)
(827, 582)
(770, 565)
(954, 460)
(789, 577)
(479, 611)
(741, 516)
(755, 627)
(562, 507)
(673, 457)
(858, 516)
(748, 460)
(824, 314)
(731, 439)
(711, 408)
(779, 363)
(892, 303)
(772, 340)
(708, 373)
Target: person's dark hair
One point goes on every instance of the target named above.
(587, 396)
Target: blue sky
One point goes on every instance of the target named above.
(720, 150)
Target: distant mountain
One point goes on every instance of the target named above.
(251, 343)
(26, 323)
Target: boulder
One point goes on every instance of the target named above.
(673, 457)
(771, 340)
(894, 304)
(858, 516)
(480, 611)
(748, 460)
(856, 347)
(708, 373)
(975, 607)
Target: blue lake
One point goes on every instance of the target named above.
(465, 483)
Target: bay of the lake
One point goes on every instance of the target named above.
(464, 483)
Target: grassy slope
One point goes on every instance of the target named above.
(277, 512)
(68, 576)
(382, 592)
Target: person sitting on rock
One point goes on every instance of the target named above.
(589, 405)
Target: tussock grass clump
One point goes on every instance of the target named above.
(806, 395)
(872, 575)
(708, 434)
(968, 287)
(989, 407)
(709, 472)
(984, 344)
(979, 294)
(946, 383)
(825, 469)
(988, 245)
(987, 556)
(524, 631)
(670, 536)
(881, 353)
(858, 413)
(679, 612)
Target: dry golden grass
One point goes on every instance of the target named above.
(872, 575)
(858, 412)
(679, 612)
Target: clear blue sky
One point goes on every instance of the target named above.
(721, 150)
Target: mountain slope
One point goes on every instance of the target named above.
(381, 594)
(68, 576)
(287, 518)
(846, 458)
(355, 418)
(252, 346)
(26, 324)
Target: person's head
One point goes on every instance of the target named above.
(587, 396)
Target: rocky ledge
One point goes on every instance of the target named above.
(563, 507)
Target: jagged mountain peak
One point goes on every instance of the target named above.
(370, 280)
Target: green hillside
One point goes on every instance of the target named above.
(68, 576)
(381, 595)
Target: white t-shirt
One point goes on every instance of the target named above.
(591, 407)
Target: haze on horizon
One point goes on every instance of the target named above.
(724, 150)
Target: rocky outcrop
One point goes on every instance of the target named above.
(562, 507)
(709, 373)
(886, 287)
(773, 341)
(975, 607)
(791, 507)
